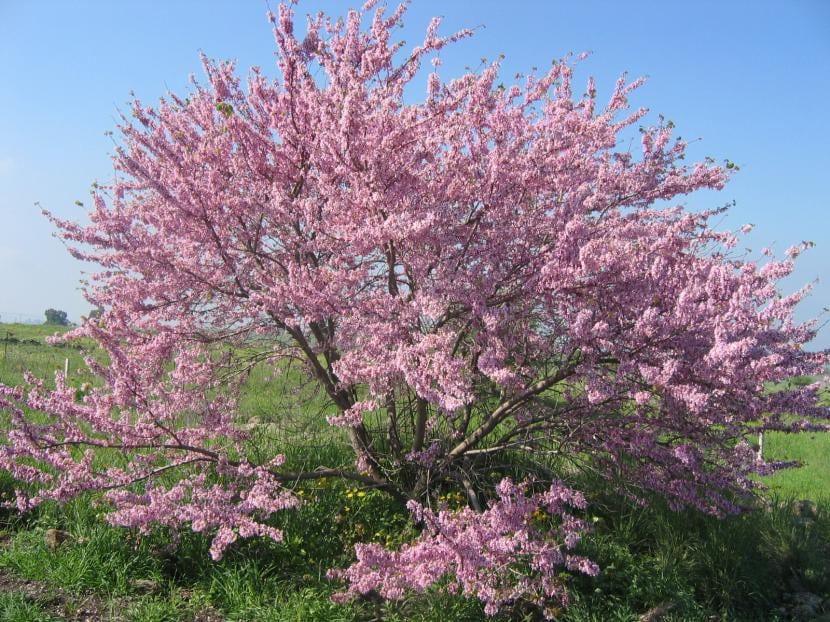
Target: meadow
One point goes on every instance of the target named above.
(66, 562)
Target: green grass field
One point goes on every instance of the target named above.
(749, 567)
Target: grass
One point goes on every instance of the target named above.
(739, 568)
(15, 607)
(23, 348)
(809, 480)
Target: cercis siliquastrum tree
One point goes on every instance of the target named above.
(483, 272)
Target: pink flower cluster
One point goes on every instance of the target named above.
(514, 550)
(231, 510)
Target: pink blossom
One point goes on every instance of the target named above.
(482, 552)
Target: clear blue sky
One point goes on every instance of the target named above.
(752, 79)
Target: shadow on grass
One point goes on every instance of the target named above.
(750, 567)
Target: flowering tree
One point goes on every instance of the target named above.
(483, 273)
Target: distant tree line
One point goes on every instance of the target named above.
(56, 317)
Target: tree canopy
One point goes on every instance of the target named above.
(488, 272)
(57, 317)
